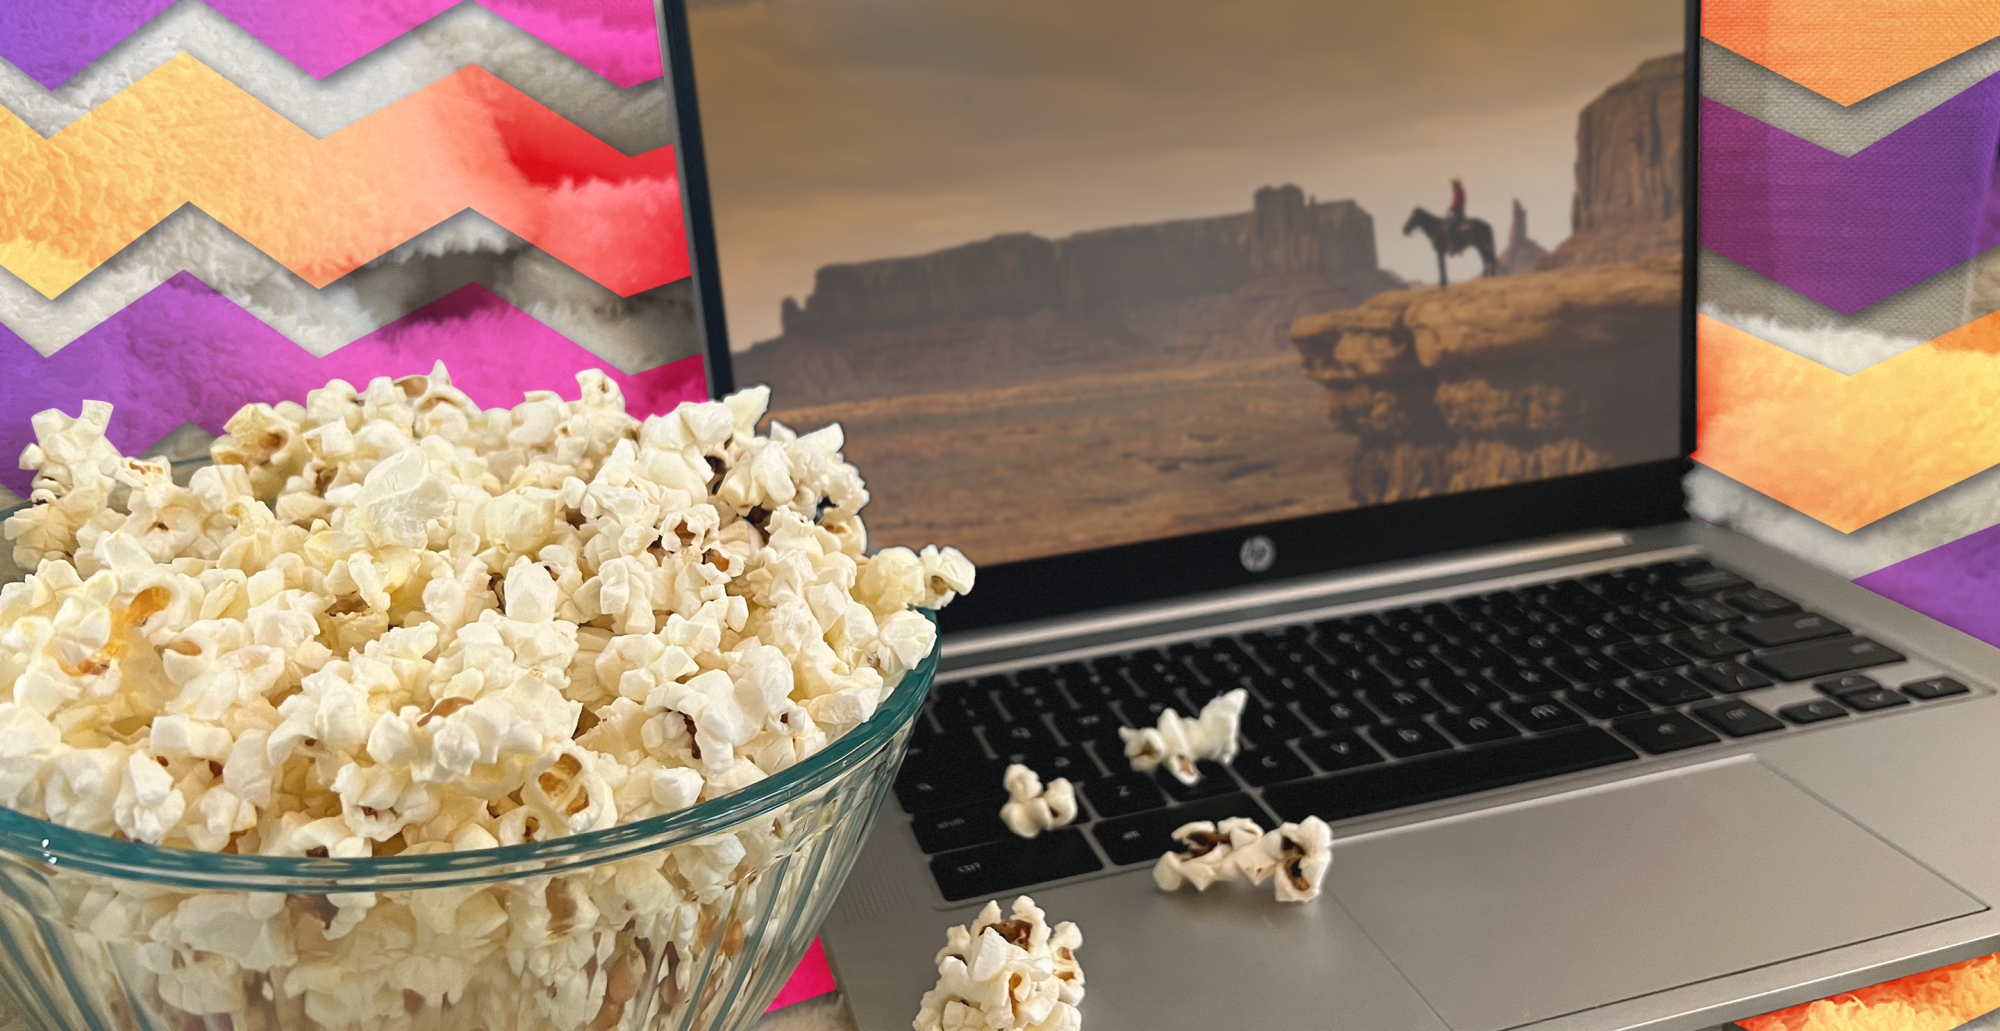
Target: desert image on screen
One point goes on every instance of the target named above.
(1072, 277)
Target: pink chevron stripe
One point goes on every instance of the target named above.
(185, 353)
(52, 40)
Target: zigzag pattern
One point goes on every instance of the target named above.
(630, 333)
(1763, 94)
(1850, 50)
(617, 38)
(634, 120)
(1848, 450)
(1931, 308)
(185, 353)
(1850, 231)
(185, 135)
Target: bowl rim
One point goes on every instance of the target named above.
(55, 847)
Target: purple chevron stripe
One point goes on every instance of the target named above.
(184, 352)
(1957, 584)
(1850, 231)
(52, 40)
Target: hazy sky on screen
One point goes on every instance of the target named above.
(845, 130)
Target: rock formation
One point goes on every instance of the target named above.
(1522, 254)
(1502, 380)
(1019, 307)
(1627, 205)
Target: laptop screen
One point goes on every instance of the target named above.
(1073, 276)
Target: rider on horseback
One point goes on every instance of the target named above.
(1454, 216)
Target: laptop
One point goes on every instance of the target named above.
(1341, 352)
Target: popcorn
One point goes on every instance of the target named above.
(1006, 975)
(386, 622)
(1030, 809)
(1296, 855)
(1178, 742)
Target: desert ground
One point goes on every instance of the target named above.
(1066, 465)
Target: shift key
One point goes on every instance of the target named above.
(1819, 658)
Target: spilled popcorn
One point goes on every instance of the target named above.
(1178, 743)
(1296, 854)
(1031, 808)
(388, 622)
(1006, 975)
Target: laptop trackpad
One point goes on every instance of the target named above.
(1533, 911)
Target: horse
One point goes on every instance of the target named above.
(1473, 232)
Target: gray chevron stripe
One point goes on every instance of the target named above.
(633, 120)
(631, 333)
(1775, 100)
(1932, 308)
(1957, 511)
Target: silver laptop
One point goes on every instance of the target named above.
(1339, 351)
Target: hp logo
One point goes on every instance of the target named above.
(1257, 553)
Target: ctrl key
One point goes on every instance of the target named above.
(985, 871)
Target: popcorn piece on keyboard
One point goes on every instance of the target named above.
(1017, 974)
(1296, 855)
(1030, 808)
(1178, 742)
(1210, 855)
(386, 622)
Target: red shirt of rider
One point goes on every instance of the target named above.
(1457, 200)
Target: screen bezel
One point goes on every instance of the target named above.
(1627, 497)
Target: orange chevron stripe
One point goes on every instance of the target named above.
(1848, 450)
(185, 135)
(1848, 50)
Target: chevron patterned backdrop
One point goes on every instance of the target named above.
(203, 204)
(1849, 392)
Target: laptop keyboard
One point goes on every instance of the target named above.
(1368, 713)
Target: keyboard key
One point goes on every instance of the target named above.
(1707, 581)
(1702, 611)
(1604, 702)
(1410, 667)
(1215, 780)
(1261, 766)
(1403, 702)
(996, 868)
(1282, 687)
(1476, 728)
(1122, 794)
(1799, 626)
(1352, 677)
(1445, 776)
(1027, 699)
(1649, 658)
(1339, 750)
(1412, 737)
(927, 745)
(1729, 678)
(1592, 635)
(1671, 689)
(1222, 663)
(1813, 711)
(1589, 669)
(1525, 681)
(1760, 602)
(1270, 726)
(1846, 683)
(1540, 715)
(959, 706)
(1470, 656)
(1736, 717)
(1336, 713)
(1819, 658)
(1145, 712)
(1016, 738)
(1466, 694)
(1934, 687)
(1144, 837)
(1660, 733)
(1158, 674)
(922, 789)
(1534, 646)
(1645, 623)
(942, 830)
(1709, 643)
(1080, 725)
(1869, 701)
(1069, 761)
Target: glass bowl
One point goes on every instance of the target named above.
(690, 920)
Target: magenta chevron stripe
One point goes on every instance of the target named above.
(185, 353)
(1850, 231)
(52, 40)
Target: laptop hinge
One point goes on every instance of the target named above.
(1000, 644)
